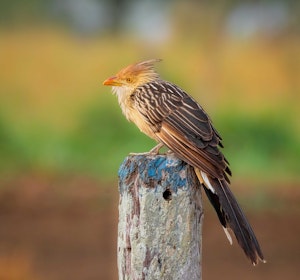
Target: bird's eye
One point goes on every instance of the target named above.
(128, 80)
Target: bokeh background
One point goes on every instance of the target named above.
(63, 137)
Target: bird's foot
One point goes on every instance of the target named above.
(153, 152)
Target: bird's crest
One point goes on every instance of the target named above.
(143, 71)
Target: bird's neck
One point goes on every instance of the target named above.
(123, 94)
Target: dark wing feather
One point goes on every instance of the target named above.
(183, 126)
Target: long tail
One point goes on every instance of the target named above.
(231, 216)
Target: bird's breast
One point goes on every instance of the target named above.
(133, 115)
(137, 118)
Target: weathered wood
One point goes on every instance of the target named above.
(160, 219)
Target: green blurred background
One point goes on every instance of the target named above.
(63, 137)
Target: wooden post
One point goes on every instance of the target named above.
(160, 219)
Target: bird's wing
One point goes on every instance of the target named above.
(182, 125)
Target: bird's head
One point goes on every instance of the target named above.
(133, 76)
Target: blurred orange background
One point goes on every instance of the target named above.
(63, 137)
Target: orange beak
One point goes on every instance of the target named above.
(112, 81)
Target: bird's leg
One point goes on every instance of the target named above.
(169, 152)
(154, 151)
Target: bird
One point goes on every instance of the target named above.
(169, 115)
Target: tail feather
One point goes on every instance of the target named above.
(231, 216)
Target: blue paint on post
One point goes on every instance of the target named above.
(161, 170)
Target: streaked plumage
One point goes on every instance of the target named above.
(169, 115)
